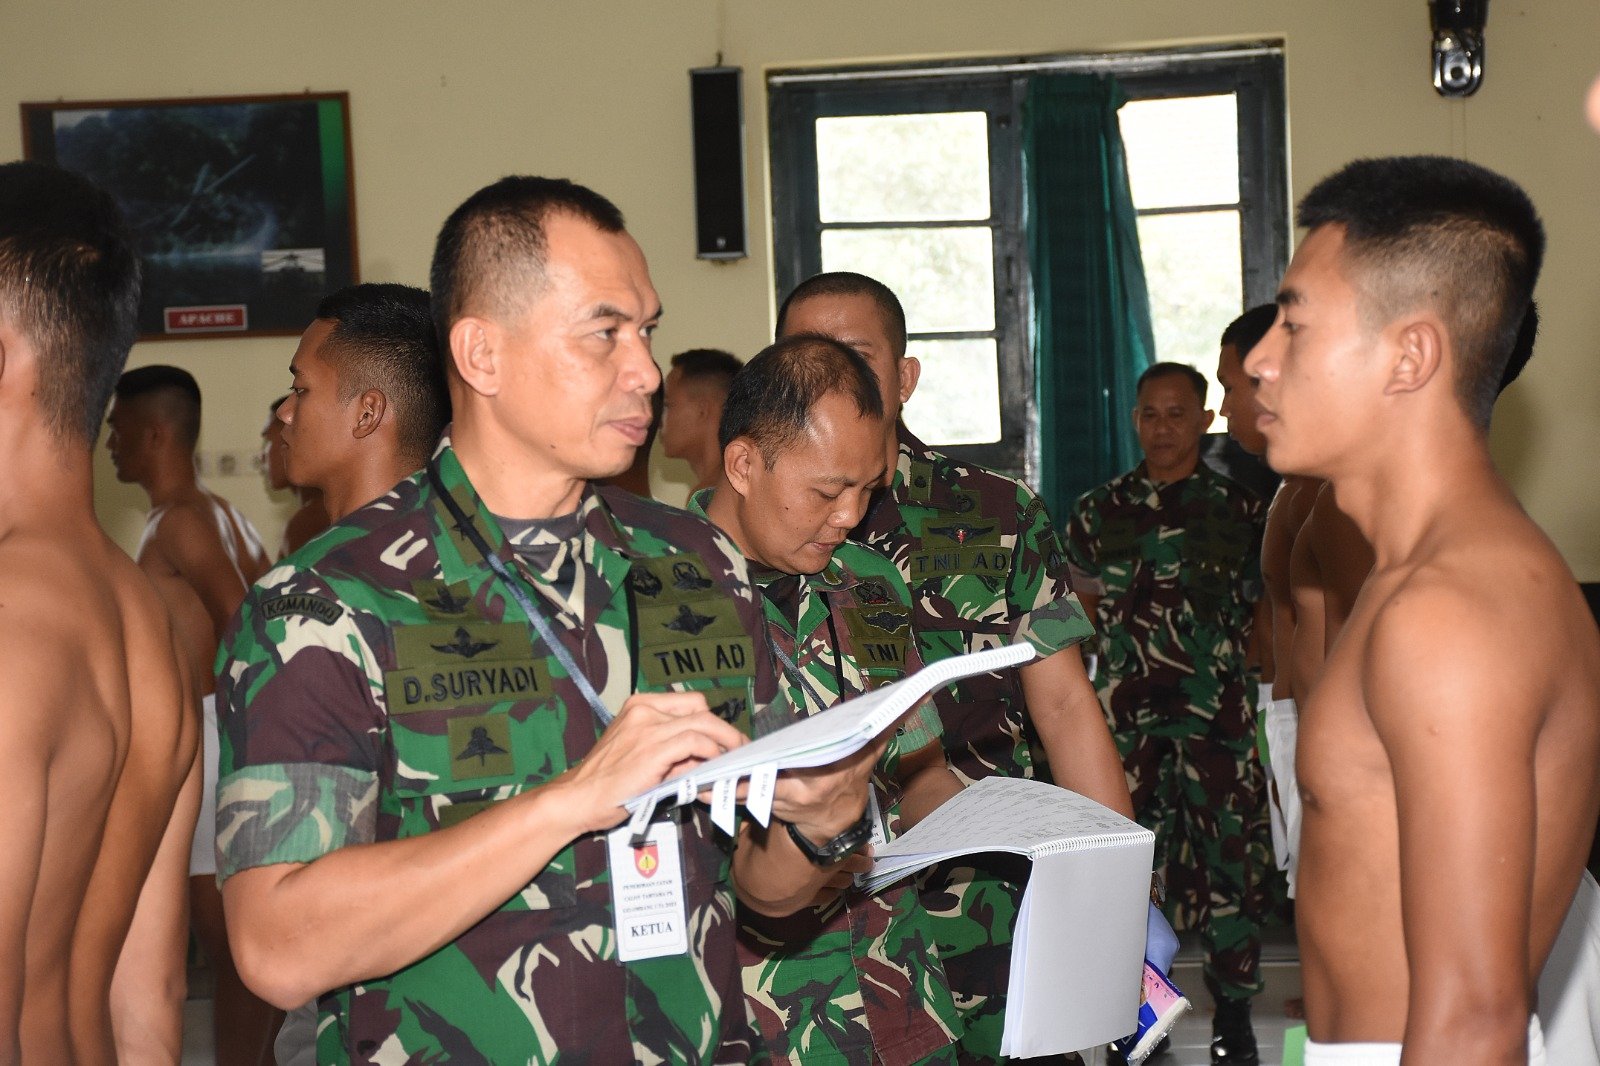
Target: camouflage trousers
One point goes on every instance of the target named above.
(1203, 796)
(858, 980)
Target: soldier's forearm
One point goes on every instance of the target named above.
(925, 790)
(370, 909)
(770, 876)
(1067, 716)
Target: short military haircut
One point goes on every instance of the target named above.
(1429, 231)
(847, 283)
(771, 400)
(711, 365)
(1175, 370)
(383, 338)
(168, 393)
(1246, 331)
(69, 283)
(1522, 351)
(490, 253)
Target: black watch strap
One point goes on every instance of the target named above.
(832, 852)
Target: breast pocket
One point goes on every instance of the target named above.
(469, 731)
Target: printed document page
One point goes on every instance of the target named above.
(1001, 814)
(822, 738)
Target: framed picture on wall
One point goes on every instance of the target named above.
(243, 206)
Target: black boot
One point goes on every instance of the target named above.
(1233, 1042)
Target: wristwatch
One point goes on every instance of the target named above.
(833, 851)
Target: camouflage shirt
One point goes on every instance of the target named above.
(381, 683)
(985, 568)
(1178, 566)
(857, 980)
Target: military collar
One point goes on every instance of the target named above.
(911, 449)
(832, 578)
(835, 577)
(1139, 478)
(699, 501)
(605, 545)
(917, 479)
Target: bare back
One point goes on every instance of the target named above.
(101, 739)
(1284, 519)
(1446, 766)
(202, 556)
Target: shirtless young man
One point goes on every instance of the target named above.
(1331, 559)
(202, 555)
(1448, 779)
(98, 734)
(1275, 624)
(1328, 561)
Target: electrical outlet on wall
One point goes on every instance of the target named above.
(225, 464)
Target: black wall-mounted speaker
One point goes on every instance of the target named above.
(718, 102)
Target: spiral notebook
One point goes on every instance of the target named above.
(1077, 954)
(819, 740)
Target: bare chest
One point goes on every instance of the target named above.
(1342, 766)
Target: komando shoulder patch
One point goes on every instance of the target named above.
(321, 608)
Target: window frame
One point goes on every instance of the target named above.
(797, 224)
(1253, 71)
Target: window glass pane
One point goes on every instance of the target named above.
(903, 168)
(958, 396)
(1191, 266)
(944, 277)
(1182, 151)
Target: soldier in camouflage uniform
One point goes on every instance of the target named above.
(1168, 557)
(434, 712)
(985, 568)
(855, 978)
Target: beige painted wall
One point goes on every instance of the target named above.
(446, 97)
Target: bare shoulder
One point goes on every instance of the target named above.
(187, 521)
(1286, 515)
(74, 610)
(1292, 502)
(33, 655)
(1486, 615)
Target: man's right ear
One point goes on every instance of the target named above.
(475, 350)
(910, 369)
(739, 459)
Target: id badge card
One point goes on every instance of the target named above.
(647, 892)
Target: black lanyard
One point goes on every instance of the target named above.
(797, 675)
(799, 678)
(520, 594)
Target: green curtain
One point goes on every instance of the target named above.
(1092, 336)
